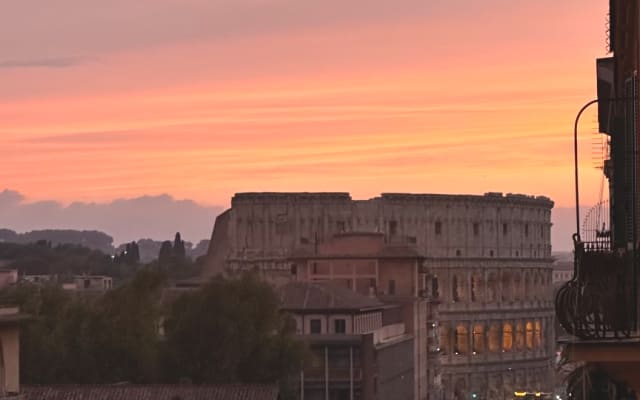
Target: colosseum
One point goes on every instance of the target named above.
(488, 256)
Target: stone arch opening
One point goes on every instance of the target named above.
(478, 339)
(476, 286)
(519, 336)
(517, 286)
(494, 338)
(462, 340)
(537, 336)
(492, 287)
(445, 338)
(507, 337)
(458, 288)
(506, 286)
(529, 335)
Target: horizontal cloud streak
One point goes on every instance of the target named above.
(155, 217)
(63, 62)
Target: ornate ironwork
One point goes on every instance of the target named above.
(591, 383)
(597, 302)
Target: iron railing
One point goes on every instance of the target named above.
(597, 303)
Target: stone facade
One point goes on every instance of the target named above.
(489, 258)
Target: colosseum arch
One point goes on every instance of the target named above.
(517, 286)
(506, 286)
(460, 389)
(493, 342)
(537, 335)
(445, 338)
(529, 335)
(519, 335)
(462, 340)
(478, 338)
(491, 287)
(507, 336)
(477, 286)
(527, 286)
(535, 292)
(458, 288)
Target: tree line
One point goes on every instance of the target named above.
(228, 331)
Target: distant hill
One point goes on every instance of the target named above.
(93, 240)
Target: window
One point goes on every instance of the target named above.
(315, 268)
(87, 283)
(393, 228)
(478, 339)
(507, 337)
(519, 336)
(294, 269)
(505, 229)
(462, 340)
(340, 226)
(454, 288)
(494, 338)
(529, 337)
(434, 287)
(315, 326)
(340, 326)
(438, 227)
(526, 230)
(458, 253)
(476, 229)
(392, 286)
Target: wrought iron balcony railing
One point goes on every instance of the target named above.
(598, 302)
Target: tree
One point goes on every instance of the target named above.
(178, 247)
(166, 253)
(230, 331)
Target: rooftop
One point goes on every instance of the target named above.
(151, 392)
(305, 296)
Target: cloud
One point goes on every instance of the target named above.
(61, 62)
(156, 217)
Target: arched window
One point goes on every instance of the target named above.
(492, 287)
(462, 340)
(454, 289)
(478, 338)
(519, 336)
(476, 287)
(494, 338)
(445, 344)
(507, 337)
(506, 286)
(527, 286)
(517, 286)
(529, 337)
(537, 337)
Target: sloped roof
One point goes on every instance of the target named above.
(306, 296)
(151, 392)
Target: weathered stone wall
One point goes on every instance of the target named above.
(261, 229)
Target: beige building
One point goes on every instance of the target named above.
(360, 346)
(486, 259)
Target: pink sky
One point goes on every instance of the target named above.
(201, 99)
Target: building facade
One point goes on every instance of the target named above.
(358, 352)
(485, 259)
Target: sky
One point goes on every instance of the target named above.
(199, 99)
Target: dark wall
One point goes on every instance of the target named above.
(395, 371)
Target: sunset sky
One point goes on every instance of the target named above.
(203, 98)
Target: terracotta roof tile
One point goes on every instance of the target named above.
(323, 296)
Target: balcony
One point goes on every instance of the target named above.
(599, 301)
